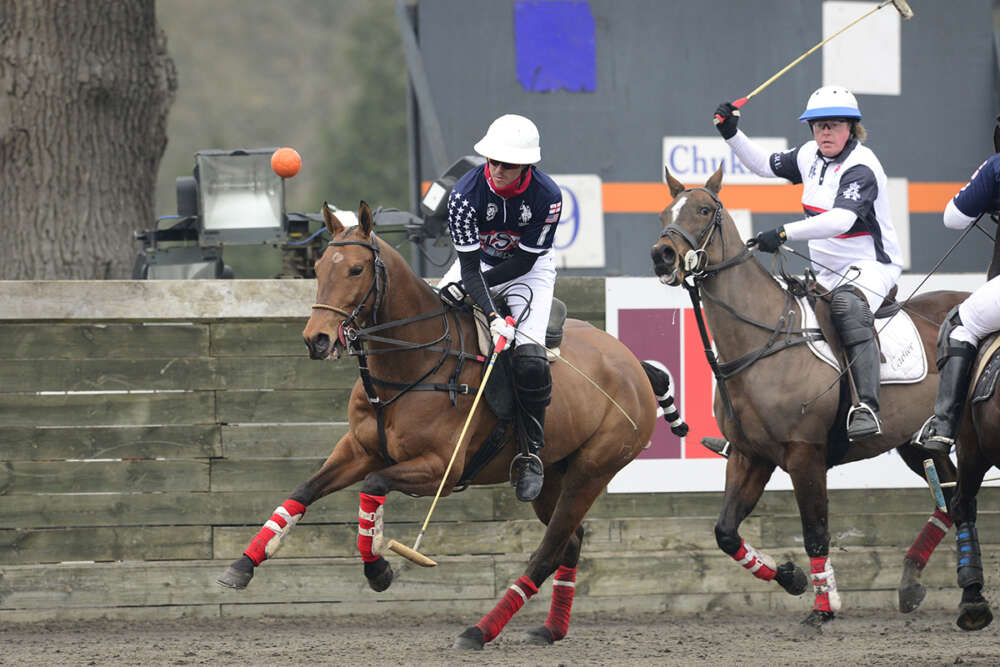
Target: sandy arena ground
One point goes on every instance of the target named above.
(859, 638)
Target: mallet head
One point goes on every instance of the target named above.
(903, 8)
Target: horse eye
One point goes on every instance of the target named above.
(356, 270)
(704, 210)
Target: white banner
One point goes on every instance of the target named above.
(694, 159)
(579, 241)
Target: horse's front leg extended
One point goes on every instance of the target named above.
(347, 464)
(745, 481)
(807, 468)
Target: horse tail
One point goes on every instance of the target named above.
(659, 380)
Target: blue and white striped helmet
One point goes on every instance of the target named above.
(831, 102)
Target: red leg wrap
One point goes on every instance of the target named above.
(562, 602)
(753, 561)
(257, 550)
(935, 528)
(366, 521)
(824, 585)
(520, 592)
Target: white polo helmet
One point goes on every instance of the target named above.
(831, 102)
(511, 138)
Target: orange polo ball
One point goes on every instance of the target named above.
(286, 162)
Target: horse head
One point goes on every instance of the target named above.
(694, 233)
(350, 284)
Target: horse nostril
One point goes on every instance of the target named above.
(319, 346)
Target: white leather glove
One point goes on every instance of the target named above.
(501, 328)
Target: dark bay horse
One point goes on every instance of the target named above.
(745, 309)
(371, 304)
(978, 450)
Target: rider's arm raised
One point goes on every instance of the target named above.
(769, 165)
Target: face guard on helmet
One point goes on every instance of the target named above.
(512, 139)
(831, 102)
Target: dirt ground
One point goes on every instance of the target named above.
(859, 638)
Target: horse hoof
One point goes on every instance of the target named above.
(911, 596)
(816, 619)
(470, 640)
(974, 615)
(379, 574)
(237, 575)
(540, 636)
(792, 578)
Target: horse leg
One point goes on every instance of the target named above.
(974, 610)
(745, 481)
(578, 492)
(807, 468)
(346, 465)
(911, 592)
(556, 625)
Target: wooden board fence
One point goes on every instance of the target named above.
(148, 429)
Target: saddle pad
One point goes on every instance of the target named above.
(902, 350)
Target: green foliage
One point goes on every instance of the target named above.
(366, 156)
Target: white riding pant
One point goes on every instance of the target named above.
(528, 296)
(875, 279)
(980, 314)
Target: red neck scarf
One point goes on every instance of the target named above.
(515, 188)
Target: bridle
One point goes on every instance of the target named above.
(696, 259)
(347, 331)
(698, 269)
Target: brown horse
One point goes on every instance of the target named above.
(401, 438)
(746, 309)
(977, 451)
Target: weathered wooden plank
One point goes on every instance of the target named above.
(38, 477)
(142, 409)
(245, 509)
(103, 341)
(105, 544)
(325, 405)
(281, 338)
(23, 443)
(249, 441)
(194, 583)
(266, 475)
(190, 373)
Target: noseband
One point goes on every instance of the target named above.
(377, 287)
(696, 260)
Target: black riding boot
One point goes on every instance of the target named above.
(853, 319)
(534, 391)
(937, 435)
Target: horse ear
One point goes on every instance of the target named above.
(365, 220)
(714, 183)
(333, 224)
(676, 187)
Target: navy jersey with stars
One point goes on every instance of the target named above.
(479, 218)
(982, 192)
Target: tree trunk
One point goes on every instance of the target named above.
(85, 87)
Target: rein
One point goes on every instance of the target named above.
(353, 335)
(698, 270)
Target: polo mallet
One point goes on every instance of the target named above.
(413, 554)
(934, 482)
(901, 6)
